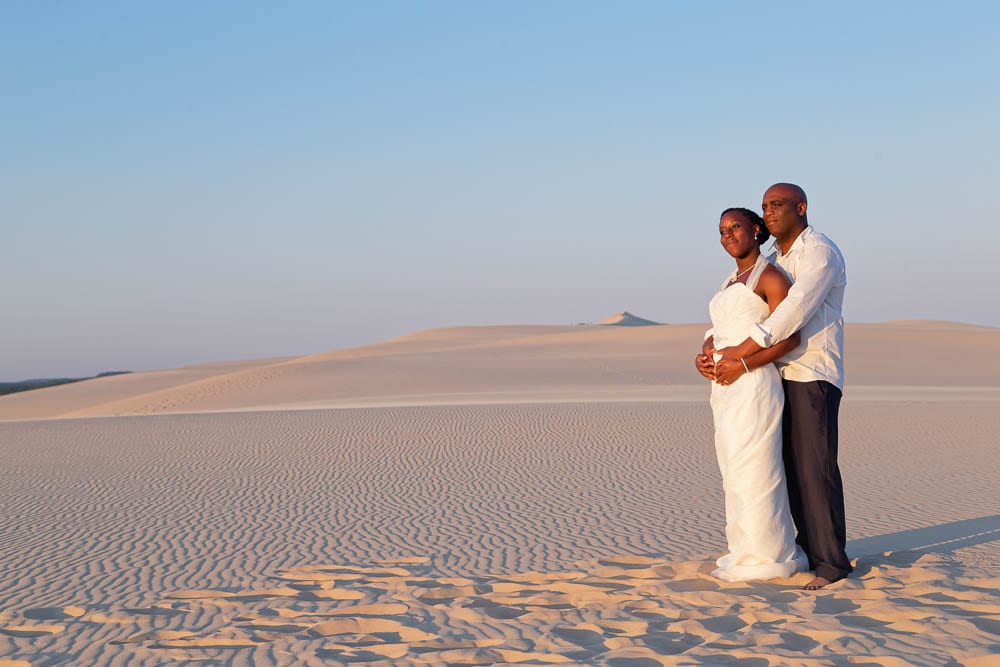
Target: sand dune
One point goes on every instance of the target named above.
(77, 396)
(502, 364)
(627, 319)
(538, 495)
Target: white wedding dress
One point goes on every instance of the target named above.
(747, 417)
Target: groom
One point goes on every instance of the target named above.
(812, 377)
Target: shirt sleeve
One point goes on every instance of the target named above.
(710, 332)
(821, 269)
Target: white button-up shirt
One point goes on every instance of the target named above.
(814, 306)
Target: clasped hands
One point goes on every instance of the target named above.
(726, 370)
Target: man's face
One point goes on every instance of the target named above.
(783, 211)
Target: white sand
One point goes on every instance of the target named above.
(543, 495)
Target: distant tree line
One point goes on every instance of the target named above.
(41, 383)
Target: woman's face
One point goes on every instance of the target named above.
(736, 234)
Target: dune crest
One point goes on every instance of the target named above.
(627, 319)
(504, 364)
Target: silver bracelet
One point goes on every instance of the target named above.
(745, 367)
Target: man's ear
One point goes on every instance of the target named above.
(801, 208)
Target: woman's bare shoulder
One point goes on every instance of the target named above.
(772, 275)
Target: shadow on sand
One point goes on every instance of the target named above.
(945, 538)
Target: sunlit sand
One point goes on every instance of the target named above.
(486, 495)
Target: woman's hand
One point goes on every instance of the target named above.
(705, 366)
(728, 371)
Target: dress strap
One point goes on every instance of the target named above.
(758, 269)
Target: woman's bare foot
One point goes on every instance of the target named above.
(816, 584)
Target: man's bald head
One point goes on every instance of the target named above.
(784, 209)
(789, 190)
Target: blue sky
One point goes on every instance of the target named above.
(183, 182)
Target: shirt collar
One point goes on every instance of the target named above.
(796, 244)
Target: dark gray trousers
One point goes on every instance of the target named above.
(815, 489)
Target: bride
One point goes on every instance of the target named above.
(747, 403)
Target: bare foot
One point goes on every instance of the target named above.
(816, 584)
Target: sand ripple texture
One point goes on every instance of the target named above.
(99, 508)
(900, 608)
(229, 537)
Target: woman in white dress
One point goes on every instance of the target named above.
(747, 402)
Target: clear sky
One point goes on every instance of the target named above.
(186, 181)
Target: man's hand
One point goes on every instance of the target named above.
(728, 371)
(730, 353)
(705, 366)
(747, 348)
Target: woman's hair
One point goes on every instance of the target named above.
(754, 219)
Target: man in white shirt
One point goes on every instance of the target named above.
(812, 376)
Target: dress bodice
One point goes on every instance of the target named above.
(736, 308)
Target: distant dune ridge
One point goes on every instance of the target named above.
(486, 495)
(627, 319)
(41, 383)
(463, 365)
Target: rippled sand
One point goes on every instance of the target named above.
(541, 525)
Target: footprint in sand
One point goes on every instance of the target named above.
(405, 560)
(376, 609)
(587, 635)
(200, 594)
(496, 610)
(375, 653)
(175, 609)
(307, 578)
(456, 644)
(692, 585)
(631, 561)
(39, 630)
(640, 656)
(358, 625)
(445, 594)
(987, 625)
(859, 621)
(156, 635)
(229, 641)
(654, 609)
(54, 613)
(671, 643)
(540, 578)
(209, 643)
(331, 594)
(280, 627)
(724, 624)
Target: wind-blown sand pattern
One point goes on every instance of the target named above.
(508, 495)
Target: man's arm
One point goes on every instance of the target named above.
(777, 351)
(729, 370)
(805, 296)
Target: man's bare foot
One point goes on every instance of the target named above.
(816, 584)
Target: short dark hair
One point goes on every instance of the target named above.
(751, 216)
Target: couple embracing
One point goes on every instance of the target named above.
(775, 358)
